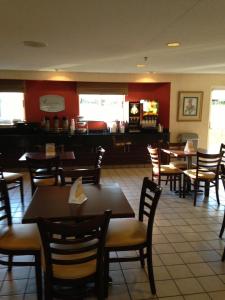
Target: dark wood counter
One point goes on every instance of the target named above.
(127, 148)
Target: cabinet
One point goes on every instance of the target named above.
(13, 145)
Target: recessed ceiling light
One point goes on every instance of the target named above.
(173, 44)
(140, 65)
(35, 44)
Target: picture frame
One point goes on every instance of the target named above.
(189, 106)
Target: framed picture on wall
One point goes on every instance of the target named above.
(189, 106)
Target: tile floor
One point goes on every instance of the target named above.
(186, 247)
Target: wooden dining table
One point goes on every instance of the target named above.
(51, 202)
(181, 154)
(63, 155)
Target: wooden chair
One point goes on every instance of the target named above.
(43, 171)
(160, 171)
(90, 175)
(73, 256)
(222, 164)
(18, 240)
(206, 171)
(133, 234)
(173, 161)
(13, 180)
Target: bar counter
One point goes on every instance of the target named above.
(121, 148)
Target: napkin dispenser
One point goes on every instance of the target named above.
(50, 149)
(189, 147)
(77, 195)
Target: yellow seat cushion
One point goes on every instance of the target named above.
(167, 169)
(201, 175)
(125, 232)
(180, 164)
(8, 176)
(47, 181)
(74, 271)
(20, 237)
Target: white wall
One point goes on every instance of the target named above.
(179, 82)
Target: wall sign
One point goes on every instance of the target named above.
(52, 103)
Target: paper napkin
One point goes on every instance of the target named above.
(77, 194)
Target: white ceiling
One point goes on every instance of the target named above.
(112, 36)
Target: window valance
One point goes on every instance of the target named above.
(102, 88)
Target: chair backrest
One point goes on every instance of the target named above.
(73, 244)
(222, 151)
(155, 157)
(49, 165)
(91, 176)
(5, 210)
(208, 162)
(99, 156)
(43, 169)
(150, 194)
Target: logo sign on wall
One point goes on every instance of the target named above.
(52, 103)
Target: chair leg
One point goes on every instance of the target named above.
(171, 183)
(10, 262)
(150, 270)
(38, 276)
(106, 274)
(217, 192)
(21, 190)
(184, 185)
(223, 227)
(179, 185)
(47, 290)
(142, 259)
(196, 191)
(223, 256)
(206, 189)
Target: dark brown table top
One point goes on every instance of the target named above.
(65, 155)
(51, 202)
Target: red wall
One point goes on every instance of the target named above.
(136, 92)
(35, 89)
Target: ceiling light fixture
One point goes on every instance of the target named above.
(173, 44)
(35, 44)
(142, 65)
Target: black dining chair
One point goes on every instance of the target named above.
(18, 240)
(206, 171)
(161, 172)
(73, 254)
(132, 234)
(43, 171)
(13, 180)
(89, 175)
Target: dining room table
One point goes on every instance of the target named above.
(63, 155)
(52, 203)
(182, 154)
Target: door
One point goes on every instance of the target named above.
(217, 120)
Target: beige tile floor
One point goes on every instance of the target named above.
(186, 247)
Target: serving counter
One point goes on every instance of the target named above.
(121, 148)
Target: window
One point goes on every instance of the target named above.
(106, 108)
(11, 107)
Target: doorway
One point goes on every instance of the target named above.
(216, 121)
